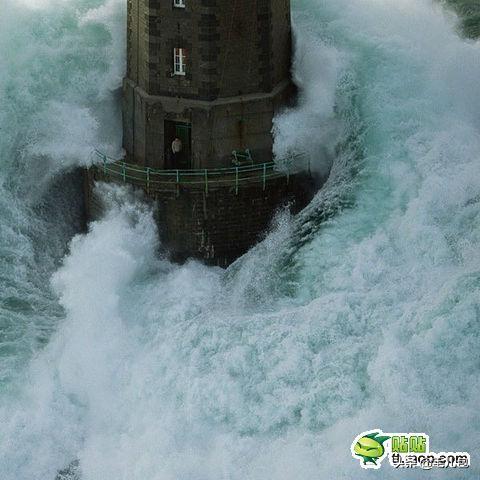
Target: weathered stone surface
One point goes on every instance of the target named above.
(235, 46)
(220, 226)
(237, 78)
(218, 127)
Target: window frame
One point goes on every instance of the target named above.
(179, 4)
(180, 61)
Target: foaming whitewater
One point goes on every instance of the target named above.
(361, 312)
(60, 65)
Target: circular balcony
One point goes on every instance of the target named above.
(160, 181)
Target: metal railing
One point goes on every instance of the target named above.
(152, 179)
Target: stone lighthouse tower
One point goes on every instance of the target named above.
(204, 81)
(210, 72)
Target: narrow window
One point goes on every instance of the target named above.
(179, 3)
(179, 60)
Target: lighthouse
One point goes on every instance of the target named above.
(204, 81)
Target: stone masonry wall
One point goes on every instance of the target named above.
(235, 47)
(217, 127)
(220, 226)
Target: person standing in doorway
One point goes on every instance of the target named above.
(176, 150)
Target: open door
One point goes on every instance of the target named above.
(178, 145)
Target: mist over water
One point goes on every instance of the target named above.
(361, 312)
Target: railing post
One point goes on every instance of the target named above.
(288, 176)
(178, 183)
(148, 180)
(236, 180)
(264, 175)
(124, 173)
(206, 182)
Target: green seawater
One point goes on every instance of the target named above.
(469, 12)
(362, 312)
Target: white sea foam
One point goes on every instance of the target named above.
(312, 126)
(61, 63)
(269, 370)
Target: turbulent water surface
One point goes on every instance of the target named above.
(362, 312)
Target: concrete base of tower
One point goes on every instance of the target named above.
(219, 226)
(210, 130)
